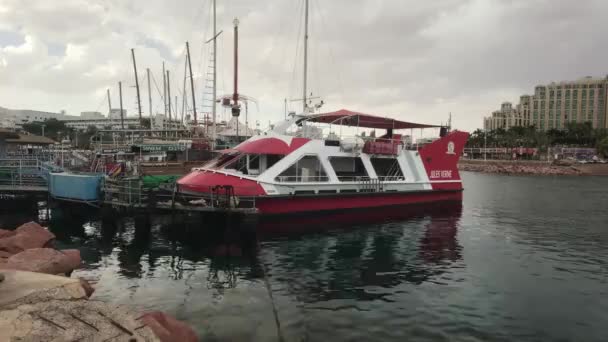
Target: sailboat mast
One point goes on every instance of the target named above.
(235, 95)
(122, 118)
(191, 83)
(164, 90)
(169, 95)
(305, 57)
(136, 85)
(149, 95)
(213, 108)
(185, 92)
(109, 103)
(236, 109)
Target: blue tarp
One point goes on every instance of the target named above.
(78, 187)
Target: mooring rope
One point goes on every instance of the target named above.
(269, 290)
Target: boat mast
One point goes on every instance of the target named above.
(164, 90)
(149, 96)
(185, 93)
(169, 95)
(214, 95)
(122, 119)
(191, 83)
(109, 103)
(304, 105)
(136, 85)
(236, 109)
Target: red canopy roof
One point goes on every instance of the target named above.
(349, 118)
(271, 146)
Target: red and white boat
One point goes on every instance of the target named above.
(301, 166)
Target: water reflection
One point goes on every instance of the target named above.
(359, 262)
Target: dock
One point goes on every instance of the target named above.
(25, 176)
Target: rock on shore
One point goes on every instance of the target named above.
(38, 305)
(509, 167)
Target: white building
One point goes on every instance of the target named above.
(15, 118)
(91, 116)
(115, 113)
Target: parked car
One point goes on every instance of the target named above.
(582, 161)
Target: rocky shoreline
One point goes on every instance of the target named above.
(523, 168)
(40, 302)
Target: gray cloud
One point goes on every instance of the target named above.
(415, 60)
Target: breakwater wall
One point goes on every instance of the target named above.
(519, 167)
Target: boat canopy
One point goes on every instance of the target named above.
(349, 118)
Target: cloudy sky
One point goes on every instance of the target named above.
(411, 59)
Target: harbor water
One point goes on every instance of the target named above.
(524, 259)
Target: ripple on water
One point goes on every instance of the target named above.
(524, 259)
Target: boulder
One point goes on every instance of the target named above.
(27, 236)
(167, 328)
(88, 289)
(42, 260)
(6, 233)
(73, 257)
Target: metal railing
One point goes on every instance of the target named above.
(132, 193)
(20, 173)
(301, 179)
(370, 185)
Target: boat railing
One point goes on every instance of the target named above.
(301, 179)
(370, 185)
(133, 193)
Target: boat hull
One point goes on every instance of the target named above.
(301, 204)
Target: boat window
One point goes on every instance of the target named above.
(272, 159)
(239, 164)
(306, 169)
(387, 168)
(348, 169)
(222, 160)
(254, 161)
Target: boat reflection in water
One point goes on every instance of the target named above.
(364, 254)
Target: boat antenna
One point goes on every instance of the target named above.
(450, 122)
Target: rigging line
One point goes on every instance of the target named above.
(157, 89)
(332, 56)
(295, 60)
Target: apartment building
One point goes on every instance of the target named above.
(508, 116)
(554, 105)
(583, 100)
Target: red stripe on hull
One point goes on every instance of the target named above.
(300, 204)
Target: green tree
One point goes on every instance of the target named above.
(602, 147)
(53, 129)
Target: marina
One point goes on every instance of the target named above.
(301, 170)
